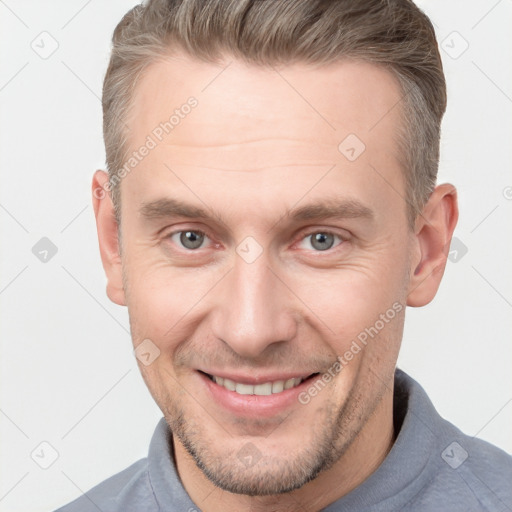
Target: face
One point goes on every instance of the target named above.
(264, 237)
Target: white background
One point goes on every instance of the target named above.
(68, 376)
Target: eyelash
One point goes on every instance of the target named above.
(303, 237)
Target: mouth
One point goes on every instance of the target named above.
(261, 389)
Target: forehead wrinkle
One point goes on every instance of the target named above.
(273, 140)
(242, 156)
(321, 165)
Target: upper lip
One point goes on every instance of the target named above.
(254, 378)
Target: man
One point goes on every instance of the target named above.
(270, 210)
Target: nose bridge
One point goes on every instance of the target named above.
(252, 311)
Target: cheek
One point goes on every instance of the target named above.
(347, 303)
(161, 300)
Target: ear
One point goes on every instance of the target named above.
(108, 237)
(432, 237)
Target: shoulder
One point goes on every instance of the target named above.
(481, 468)
(117, 493)
(464, 472)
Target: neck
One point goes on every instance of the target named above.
(360, 460)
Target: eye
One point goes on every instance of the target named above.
(320, 240)
(189, 239)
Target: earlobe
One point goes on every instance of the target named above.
(432, 238)
(108, 237)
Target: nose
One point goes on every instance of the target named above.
(254, 308)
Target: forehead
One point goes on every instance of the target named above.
(315, 103)
(264, 125)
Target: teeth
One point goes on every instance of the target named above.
(228, 384)
(244, 389)
(278, 386)
(289, 384)
(265, 389)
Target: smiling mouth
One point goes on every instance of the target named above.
(263, 389)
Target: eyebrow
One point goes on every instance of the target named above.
(330, 208)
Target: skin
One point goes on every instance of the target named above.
(252, 150)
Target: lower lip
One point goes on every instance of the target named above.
(254, 406)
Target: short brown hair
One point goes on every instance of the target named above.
(392, 33)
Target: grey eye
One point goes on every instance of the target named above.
(322, 241)
(190, 239)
